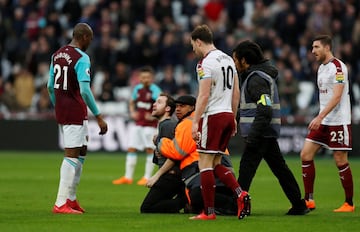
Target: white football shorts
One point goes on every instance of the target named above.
(141, 137)
(75, 135)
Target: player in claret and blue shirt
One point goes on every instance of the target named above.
(70, 93)
(141, 135)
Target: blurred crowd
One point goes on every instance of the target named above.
(132, 33)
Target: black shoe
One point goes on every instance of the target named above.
(295, 211)
(299, 210)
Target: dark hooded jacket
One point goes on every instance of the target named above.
(256, 87)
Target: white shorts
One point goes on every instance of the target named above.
(141, 137)
(74, 135)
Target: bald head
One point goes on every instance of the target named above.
(82, 36)
(82, 29)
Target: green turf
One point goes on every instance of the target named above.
(29, 181)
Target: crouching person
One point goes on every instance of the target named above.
(166, 194)
(182, 148)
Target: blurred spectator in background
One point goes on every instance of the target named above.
(288, 89)
(152, 50)
(103, 51)
(24, 87)
(42, 101)
(42, 75)
(120, 76)
(121, 42)
(2, 86)
(163, 12)
(126, 13)
(184, 87)
(137, 46)
(107, 94)
(32, 28)
(170, 50)
(8, 98)
(72, 11)
(40, 51)
(168, 83)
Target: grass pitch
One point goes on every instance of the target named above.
(29, 182)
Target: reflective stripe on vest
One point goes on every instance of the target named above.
(248, 109)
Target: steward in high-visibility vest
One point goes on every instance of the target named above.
(248, 107)
(260, 123)
(183, 148)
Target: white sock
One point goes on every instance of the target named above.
(149, 166)
(78, 171)
(131, 159)
(67, 177)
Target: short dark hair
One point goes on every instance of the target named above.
(250, 51)
(324, 40)
(170, 101)
(203, 33)
(147, 68)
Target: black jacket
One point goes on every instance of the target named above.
(257, 86)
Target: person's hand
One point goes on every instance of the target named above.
(235, 129)
(149, 117)
(194, 131)
(154, 139)
(315, 123)
(152, 180)
(102, 124)
(134, 115)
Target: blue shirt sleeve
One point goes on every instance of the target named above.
(82, 67)
(135, 91)
(155, 91)
(50, 84)
(88, 97)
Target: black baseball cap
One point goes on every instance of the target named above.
(186, 100)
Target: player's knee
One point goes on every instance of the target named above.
(306, 156)
(145, 208)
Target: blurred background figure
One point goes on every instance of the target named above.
(288, 89)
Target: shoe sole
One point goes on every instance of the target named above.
(298, 212)
(79, 212)
(68, 212)
(119, 183)
(343, 211)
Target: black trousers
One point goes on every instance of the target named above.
(268, 149)
(167, 195)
